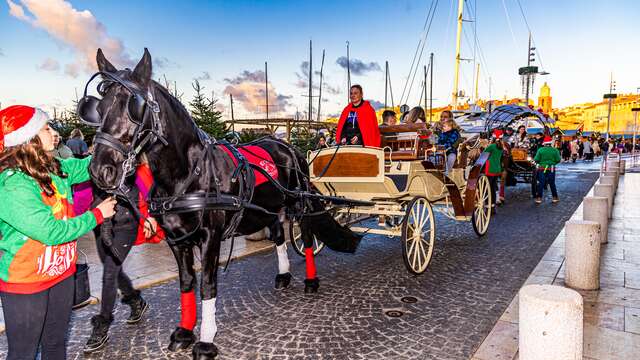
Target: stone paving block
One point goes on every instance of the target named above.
(604, 315)
(606, 344)
(501, 343)
(511, 314)
(612, 253)
(632, 255)
(632, 320)
(632, 279)
(554, 254)
(547, 268)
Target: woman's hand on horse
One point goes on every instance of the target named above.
(150, 227)
(107, 207)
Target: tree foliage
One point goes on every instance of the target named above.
(67, 120)
(204, 113)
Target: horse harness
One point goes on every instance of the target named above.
(139, 106)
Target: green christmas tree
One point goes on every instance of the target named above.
(204, 113)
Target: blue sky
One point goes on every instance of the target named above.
(46, 52)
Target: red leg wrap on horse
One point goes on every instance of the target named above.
(311, 264)
(188, 310)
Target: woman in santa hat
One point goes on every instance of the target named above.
(39, 230)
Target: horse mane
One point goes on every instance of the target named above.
(175, 104)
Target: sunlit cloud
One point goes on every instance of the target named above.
(248, 89)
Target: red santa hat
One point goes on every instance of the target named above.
(548, 140)
(497, 133)
(19, 124)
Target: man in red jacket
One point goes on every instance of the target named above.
(358, 123)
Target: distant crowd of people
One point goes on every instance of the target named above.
(587, 148)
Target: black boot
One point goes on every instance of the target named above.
(100, 334)
(138, 306)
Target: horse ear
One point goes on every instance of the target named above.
(103, 63)
(143, 70)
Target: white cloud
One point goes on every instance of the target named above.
(16, 11)
(248, 89)
(79, 30)
(49, 64)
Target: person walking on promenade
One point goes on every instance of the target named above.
(77, 144)
(596, 147)
(566, 151)
(546, 159)
(127, 232)
(574, 150)
(39, 231)
(588, 151)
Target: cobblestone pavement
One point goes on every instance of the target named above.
(468, 285)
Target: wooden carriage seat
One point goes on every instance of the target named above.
(404, 141)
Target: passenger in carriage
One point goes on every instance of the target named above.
(449, 138)
(389, 118)
(358, 124)
(416, 115)
(521, 140)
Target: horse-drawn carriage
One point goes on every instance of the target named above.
(519, 165)
(401, 184)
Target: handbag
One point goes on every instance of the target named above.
(82, 292)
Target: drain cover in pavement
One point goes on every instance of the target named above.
(394, 313)
(409, 300)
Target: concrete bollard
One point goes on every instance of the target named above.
(582, 255)
(609, 180)
(623, 164)
(605, 191)
(616, 175)
(596, 208)
(550, 323)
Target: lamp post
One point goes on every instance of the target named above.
(610, 96)
(528, 73)
(635, 126)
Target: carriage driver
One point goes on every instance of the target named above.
(358, 123)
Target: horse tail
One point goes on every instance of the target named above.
(326, 229)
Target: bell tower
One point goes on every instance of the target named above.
(545, 99)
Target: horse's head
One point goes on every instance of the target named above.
(125, 118)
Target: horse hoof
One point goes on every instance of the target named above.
(181, 338)
(204, 351)
(283, 281)
(311, 286)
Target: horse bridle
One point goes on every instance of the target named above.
(139, 105)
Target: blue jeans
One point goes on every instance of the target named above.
(544, 178)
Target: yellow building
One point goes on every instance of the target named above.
(594, 116)
(545, 99)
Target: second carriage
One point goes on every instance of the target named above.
(401, 185)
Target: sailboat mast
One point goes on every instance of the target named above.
(475, 95)
(320, 85)
(457, 68)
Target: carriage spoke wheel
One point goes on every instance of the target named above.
(482, 211)
(418, 235)
(295, 234)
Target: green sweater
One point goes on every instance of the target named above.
(547, 156)
(494, 164)
(39, 232)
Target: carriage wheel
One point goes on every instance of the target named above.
(418, 235)
(296, 240)
(482, 212)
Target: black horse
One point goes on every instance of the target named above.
(200, 195)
